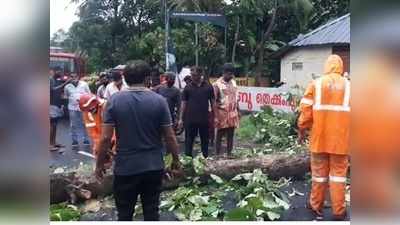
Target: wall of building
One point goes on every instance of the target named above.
(299, 65)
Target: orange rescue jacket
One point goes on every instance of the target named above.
(93, 123)
(325, 108)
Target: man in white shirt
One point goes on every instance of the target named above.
(73, 92)
(102, 84)
(115, 86)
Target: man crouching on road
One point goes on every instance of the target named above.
(140, 118)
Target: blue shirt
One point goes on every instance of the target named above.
(138, 116)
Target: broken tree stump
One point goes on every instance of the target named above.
(74, 187)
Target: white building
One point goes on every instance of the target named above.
(303, 59)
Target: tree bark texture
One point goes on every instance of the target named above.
(265, 36)
(275, 166)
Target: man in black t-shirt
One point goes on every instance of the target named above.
(196, 99)
(55, 107)
(171, 94)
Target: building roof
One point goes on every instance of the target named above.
(334, 32)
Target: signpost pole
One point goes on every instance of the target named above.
(196, 42)
(226, 41)
(166, 19)
(202, 17)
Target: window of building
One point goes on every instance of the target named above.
(296, 66)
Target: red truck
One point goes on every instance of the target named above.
(68, 62)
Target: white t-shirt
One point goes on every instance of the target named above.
(101, 90)
(112, 89)
(74, 93)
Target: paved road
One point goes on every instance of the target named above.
(67, 157)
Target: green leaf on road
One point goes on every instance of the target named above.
(239, 214)
(195, 215)
(198, 200)
(217, 179)
(273, 215)
(168, 161)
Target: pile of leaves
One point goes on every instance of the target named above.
(274, 127)
(261, 198)
(257, 197)
(276, 130)
(64, 212)
(191, 203)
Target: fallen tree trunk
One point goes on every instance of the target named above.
(76, 187)
(275, 166)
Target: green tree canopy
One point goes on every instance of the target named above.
(111, 32)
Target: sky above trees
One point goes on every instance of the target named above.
(62, 15)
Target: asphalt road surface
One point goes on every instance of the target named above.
(67, 157)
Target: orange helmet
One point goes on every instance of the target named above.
(88, 102)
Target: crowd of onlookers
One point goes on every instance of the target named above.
(202, 109)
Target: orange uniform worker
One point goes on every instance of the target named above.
(92, 108)
(325, 109)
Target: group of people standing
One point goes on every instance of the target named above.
(202, 107)
(71, 90)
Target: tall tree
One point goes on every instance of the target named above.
(325, 10)
(264, 15)
(108, 11)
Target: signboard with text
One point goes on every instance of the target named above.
(254, 98)
(214, 18)
(240, 81)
